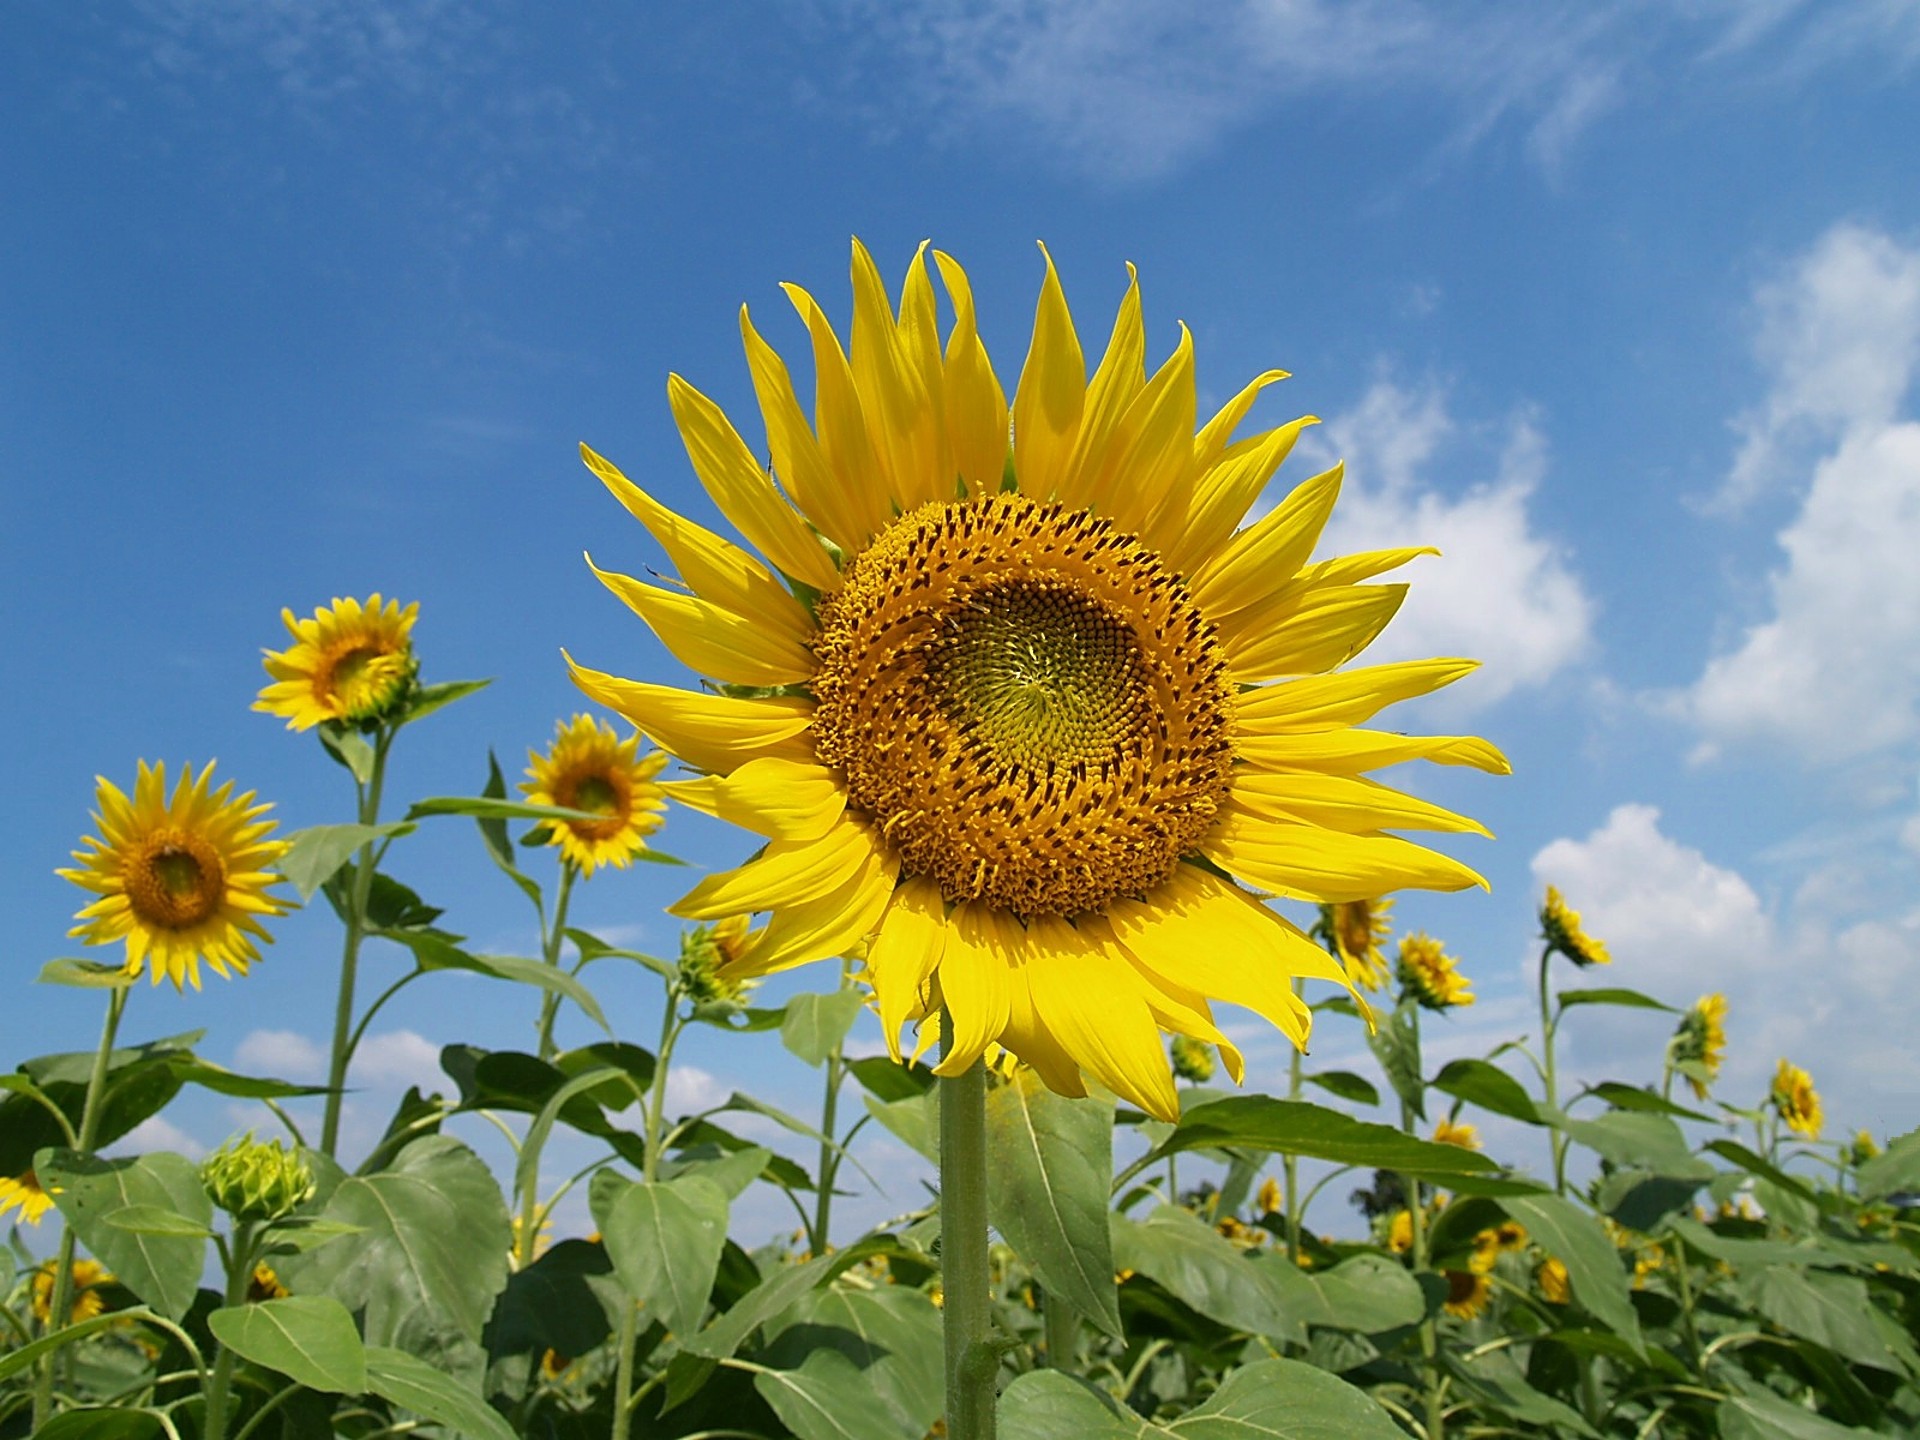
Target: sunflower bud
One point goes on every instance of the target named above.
(1192, 1060)
(252, 1181)
(705, 953)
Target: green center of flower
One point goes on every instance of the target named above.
(595, 794)
(175, 879)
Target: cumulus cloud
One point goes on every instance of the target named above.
(156, 1132)
(398, 1058)
(283, 1054)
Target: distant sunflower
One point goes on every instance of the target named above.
(180, 878)
(88, 1276)
(589, 767)
(1468, 1292)
(1358, 928)
(23, 1193)
(1431, 975)
(1031, 717)
(1452, 1132)
(1796, 1101)
(1510, 1235)
(1701, 1039)
(1556, 1286)
(1560, 928)
(266, 1284)
(350, 662)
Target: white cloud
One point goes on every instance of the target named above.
(1500, 593)
(282, 1054)
(156, 1132)
(691, 1089)
(398, 1058)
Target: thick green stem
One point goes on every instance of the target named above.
(239, 1273)
(1556, 1140)
(657, 1094)
(972, 1363)
(623, 1373)
(1436, 1422)
(1290, 1163)
(343, 1036)
(61, 1301)
(819, 1236)
(553, 941)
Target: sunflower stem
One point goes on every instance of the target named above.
(343, 1031)
(61, 1301)
(1557, 1140)
(971, 1361)
(555, 938)
(1436, 1422)
(239, 1273)
(829, 1151)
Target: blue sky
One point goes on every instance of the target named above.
(1618, 303)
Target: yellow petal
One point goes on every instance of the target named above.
(714, 569)
(973, 982)
(892, 393)
(787, 872)
(1269, 552)
(1348, 752)
(781, 799)
(828, 925)
(1324, 629)
(1176, 1008)
(1089, 998)
(1343, 802)
(729, 647)
(797, 458)
(1306, 862)
(717, 733)
(1351, 697)
(841, 424)
(1151, 487)
(1121, 376)
(976, 406)
(1052, 391)
(904, 955)
(744, 492)
(1027, 1036)
(1212, 441)
(1224, 492)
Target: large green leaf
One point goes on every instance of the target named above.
(411, 1382)
(1286, 1400)
(1894, 1170)
(827, 1398)
(319, 850)
(102, 1423)
(914, 1119)
(1831, 1310)
(665, 1239)
(1632, 1097)
(770, 1298)
(1366, 1293)
(1297, 1127)
(891, 1335)
(308, 1338)
(551, 1305)
(1478, 1082)
(1191, 1260)
(1347, 1085)
(163, 1270)
(85, 974)
(1050, 1405)
(1594, 1267)
(432, 1255)
(1049, 1178)
(1764, 1416)
(814, 1024)
(1639, 1140)
(1496, 1380)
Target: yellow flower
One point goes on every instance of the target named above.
(1556, 1287)
(1245, 1236)
(266, 1284)
(1450, 1132)
(1269, 1198)
(88, 1276)
(1560, 928)
(1510, 1235)
(181, 879)
(1358, 927)
(23, 1193)
(1701, 1038)
(1400, 1231)
(1431, 975)
(1796, 1101)
(591, 768)
(1863, 1148)
(351, 662)
(1020, 715)
(1467, 1293)
(706, 952)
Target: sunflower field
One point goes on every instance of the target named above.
(1026, 713)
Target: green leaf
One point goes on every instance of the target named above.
(664, 1239)
(891, 1335)
(85, 974)
(1614, 995)
(13, 1362)
(1396, 1045)
(1831, 1310)
(1051, 1405)
(1367, 1293)
(815, 1024)
(318, 851)
(1049, 1179)
(551, 1304)
(592, 947)
(1758, 1165)
(1496, 1380)
(1347, 1085)
(914, 1120)
(349, 747)
(156, 1220)
(1195, 1264)
(1594, 1267)
(1286, 1400)
(1895, 1169)
(1640, 1141)
(885, 1078)
(1479, 1083)
(308, 1338)
(429, 698)
(397, 1376)
(1632, 1097)
(732, 1170)
(432, 950)
(768, 1299)
(432, 1253)
(1295, 1127)
(192, 1070)
(827, 1398)
(394, 906)
(527, 1164)
(1752, 1254)
(163, 1270)
(1764, 1416)
(102, 1423)
(494, 807)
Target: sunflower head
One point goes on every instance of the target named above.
(1699, 1042)
(1560, 928)
(1268, 1199)
(1456, 1132)
(1556, 1287)
(351, 663)
(1192, 1059)
(255, 1181)
(1862, 1148)
(88, 1278)
(1510, 1235)
(1795, 1100)
(1468, 1292)
(589, 767)
(707, 955)
(266, 1284)
(1400, 1231)
(23, 1193)
(1357, 930)
(180, 877)
(1431, 975)
(1016, 697)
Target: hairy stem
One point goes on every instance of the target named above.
(971, 1362)
(364, 864)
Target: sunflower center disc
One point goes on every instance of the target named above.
(175, 880)
(602, 793)
(1026, 701)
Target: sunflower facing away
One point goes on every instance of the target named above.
(1043, 719)
(589, 767)
(1358, 928)
(1560, 928)
(350, 662)
(1796, 1101)
(1431, 975)
(87, 1278)
(181, 878)
(1701, 1038)
(23, 1193)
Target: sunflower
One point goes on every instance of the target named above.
(1556, 1286)
(1510, 1235)
(1400, 1231)
(88, 1276)
(350, 662)
(1268, 1199)
(181, 879)
(1468, 1292)
(1431, 975)
(591, 768)
(1796, 1101)
(1701, 1039)
(265, 1284)
(1560, 928)
(1456, 1132)
(1357, 928)
(23, 1193)
(1039, 719)
(1192, 1060)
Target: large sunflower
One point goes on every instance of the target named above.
(589, 767)
(181, 878)
(350, 662)
(1041, 718)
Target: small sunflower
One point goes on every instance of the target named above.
(1192, 1060)
(351, 662)
(1431, 975)
(1861, 1149)
(1510, 1235)
(1556, 1286)
(707, 952)
(88, 1276)
(1560, 928)
(1701, 1039)
(589, 767)
(1796, 1101)
(1269, 1199)
(1468, 1292)
(1452, 1132)
(180, 878)
(1358, 928)
(266, 1284)
(1044, 719)
(23, 1193)
(1400, 1231)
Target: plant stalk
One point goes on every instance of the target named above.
(555, 939)
(342, 1053)
(971, 1361)
(239, 1272)
(1556, 1140)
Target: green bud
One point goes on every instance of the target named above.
(1192, 1059)
(252, 1181)
(705, 951)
